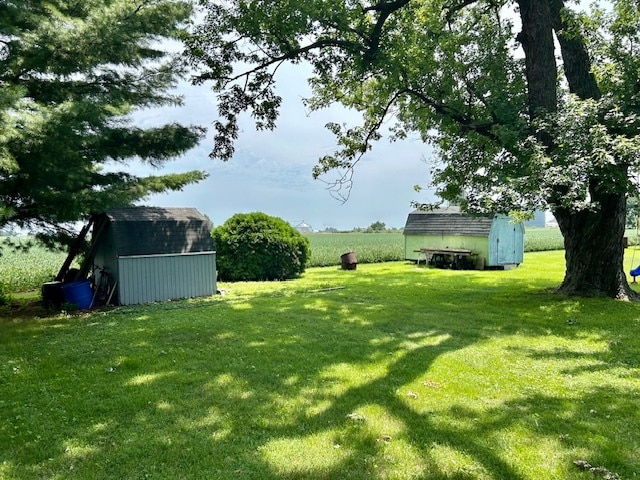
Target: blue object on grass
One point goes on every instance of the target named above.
(635, 272)
(78, 292)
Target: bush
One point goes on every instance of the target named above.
(256, 246)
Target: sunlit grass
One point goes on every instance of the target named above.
(25, 272)
(391, 371)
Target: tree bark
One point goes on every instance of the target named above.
(575, 57)
(536, 39)
(594, 251)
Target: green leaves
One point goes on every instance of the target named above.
(71, 76)
(256, 246)
(453, 74)
(407, 66)
(508, 135)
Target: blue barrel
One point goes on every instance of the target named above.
(78, 292)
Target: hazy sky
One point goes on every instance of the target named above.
(271, 170)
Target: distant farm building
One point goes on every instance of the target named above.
(304, 227)
(493, 241)
(152, 254)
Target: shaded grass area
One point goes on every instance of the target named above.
(391, 371)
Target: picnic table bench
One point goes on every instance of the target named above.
(456, 258)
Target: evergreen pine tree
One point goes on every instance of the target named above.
(71, 74)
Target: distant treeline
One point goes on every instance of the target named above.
(375, 227)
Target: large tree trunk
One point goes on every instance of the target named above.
(575, 57)
(594, 250)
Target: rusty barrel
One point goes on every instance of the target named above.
(349, 261)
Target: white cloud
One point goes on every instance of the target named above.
(271, 170)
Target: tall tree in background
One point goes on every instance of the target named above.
(71, 74)
(514, 128)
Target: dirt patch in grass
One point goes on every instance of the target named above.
(25, 309)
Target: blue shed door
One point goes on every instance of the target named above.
(509, 246)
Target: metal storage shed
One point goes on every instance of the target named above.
(495, 240)
(154, 254)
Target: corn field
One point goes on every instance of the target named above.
(326, 248)
(22, 271)
(27, 271)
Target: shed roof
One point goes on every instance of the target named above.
(447, 221)
(156, 230)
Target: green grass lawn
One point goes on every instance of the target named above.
(390, 371)
(26, 271)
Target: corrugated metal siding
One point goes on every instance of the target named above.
(157, 278)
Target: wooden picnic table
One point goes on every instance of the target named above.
(456, 258)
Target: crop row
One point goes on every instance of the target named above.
(22, 271)
(26, 271)
(326, 249)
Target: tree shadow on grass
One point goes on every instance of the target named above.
(333, 384)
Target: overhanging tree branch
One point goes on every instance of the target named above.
(464, 122)
(386, 9)
(268, 61)
(575, 58)
(353, 153)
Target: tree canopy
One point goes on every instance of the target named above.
(530, 103)
(377, 226)
(71, 75)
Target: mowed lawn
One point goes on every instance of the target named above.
(390, 371)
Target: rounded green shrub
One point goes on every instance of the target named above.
(256, 246)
